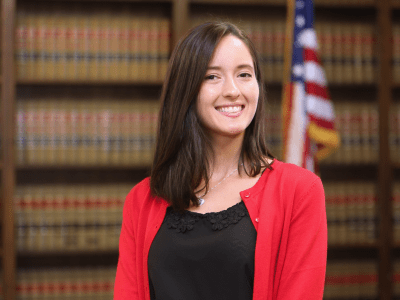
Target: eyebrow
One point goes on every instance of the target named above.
(238, 67)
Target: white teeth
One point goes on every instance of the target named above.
(230, 109)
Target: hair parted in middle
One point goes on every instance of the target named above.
(183, 153)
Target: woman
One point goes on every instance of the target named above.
(219, 217)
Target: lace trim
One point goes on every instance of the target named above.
(219, 220)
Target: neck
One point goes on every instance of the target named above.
(226, 155)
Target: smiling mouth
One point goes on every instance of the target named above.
(230, 109)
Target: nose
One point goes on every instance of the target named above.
(230, 88)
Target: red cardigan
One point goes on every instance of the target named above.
(287, 208)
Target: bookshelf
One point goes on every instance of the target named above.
(182, 14)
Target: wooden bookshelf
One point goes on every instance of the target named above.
(181, 12)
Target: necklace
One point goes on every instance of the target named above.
(201, 200)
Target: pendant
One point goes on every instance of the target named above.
(201, 201)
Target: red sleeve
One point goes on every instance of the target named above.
(303, 272)
(125, 286)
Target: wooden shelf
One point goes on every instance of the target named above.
(353, 252)
(90, 82)
(349, 172)
(278, 3)
(396, 4)
(82, 175)
(49, 259)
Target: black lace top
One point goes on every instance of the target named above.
(203, 256)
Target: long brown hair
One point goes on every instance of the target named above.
(183, 150)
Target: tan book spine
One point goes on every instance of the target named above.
(124, 55)
(70, 238)
(20, 218)
(71, 45)
(49, 43)
(91, 228)
(82, 133)
(41, 62)
(21, 47)
(93, 19)
(147, 133)
(280, 49)
(102, 216)
(268, 49)
(370, 213)
(348, 56)
(337, 32)
(92, 133)
(330, 212)
(21, 133)
(104, 45)
(342, 230)
(369, 53)
(144, 60)
(396, 213)
(81, 219)
(356, 153)
(104, 135)
(31, 26)
(115, 131)
(37, 220)
(59, 220)
(136, 134)
(31, 132)
(115, 47)
(50, 129)
(134, 44)
(396, 52)
(48, 212)
(152, 52)
(365, 133)
(41, 113)
(72, 119)
(60, 64)
(164, 46)
(357, 30)
(374, 127)
(82, 46)
(329, 44)
(126, 133)
(346, 156)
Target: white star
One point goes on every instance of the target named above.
(300, 21)
(300, 4)
(298, 70)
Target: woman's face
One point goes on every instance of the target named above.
(228, 96)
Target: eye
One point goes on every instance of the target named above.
(210, 77)
(245, 75)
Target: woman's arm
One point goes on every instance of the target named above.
(125, 286)
(303, 272)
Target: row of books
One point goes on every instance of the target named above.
(394, 132)
(396, 211)
(351, 212)
(117, 132)
(78, 132)
(94, 283)
(357, 124)
(351, 280)
(57, 44)
(69, 217)
(346, 49)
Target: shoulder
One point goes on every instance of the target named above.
(296, 181)
(138, 195)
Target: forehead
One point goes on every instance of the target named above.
(231, 50)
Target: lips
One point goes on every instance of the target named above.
(231, 110)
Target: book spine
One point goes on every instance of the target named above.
(81, 52)
(368, 53)
(115, 132)
(104, 45)
(104, 124)
(164, 46)
(30, 44)
(21, 47)
(93, 20)
(357, 53)
(268, 50)
(337, 32)
(152, 53)
(115, 47)
(134, 45)
(348, 57)
(123, 72)
(60, 64)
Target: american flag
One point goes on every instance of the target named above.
(309, 119)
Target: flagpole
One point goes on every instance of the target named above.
(287, 60)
